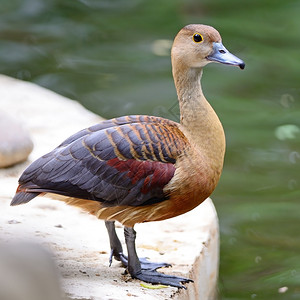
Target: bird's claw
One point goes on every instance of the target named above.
(119, 257)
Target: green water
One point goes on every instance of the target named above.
(104, 54)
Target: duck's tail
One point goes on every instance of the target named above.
(22, 196)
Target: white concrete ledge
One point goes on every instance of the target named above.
(79, 241)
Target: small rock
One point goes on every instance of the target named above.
(15, 142)
(131, 295)
(13, 222)
(58, 226)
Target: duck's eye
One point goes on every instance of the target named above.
(197, 38)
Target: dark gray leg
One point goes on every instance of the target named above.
(150, 274)
(117, 251)
(134, 264)
(115, 244)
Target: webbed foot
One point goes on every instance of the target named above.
(155, 277)
(148, 273)
(148, 265)
(145, 263)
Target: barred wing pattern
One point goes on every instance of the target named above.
(122, 161)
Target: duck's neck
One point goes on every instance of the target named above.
(197, 118)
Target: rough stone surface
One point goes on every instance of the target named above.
(15, 142)
(79, 241)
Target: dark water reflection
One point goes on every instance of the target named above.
(112, 56)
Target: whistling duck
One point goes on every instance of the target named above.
(138, 168)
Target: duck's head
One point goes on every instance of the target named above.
(197, 45)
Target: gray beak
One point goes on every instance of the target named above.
(222, 55)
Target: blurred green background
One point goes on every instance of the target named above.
(113, 57)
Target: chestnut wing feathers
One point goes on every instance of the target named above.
(123, 161)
